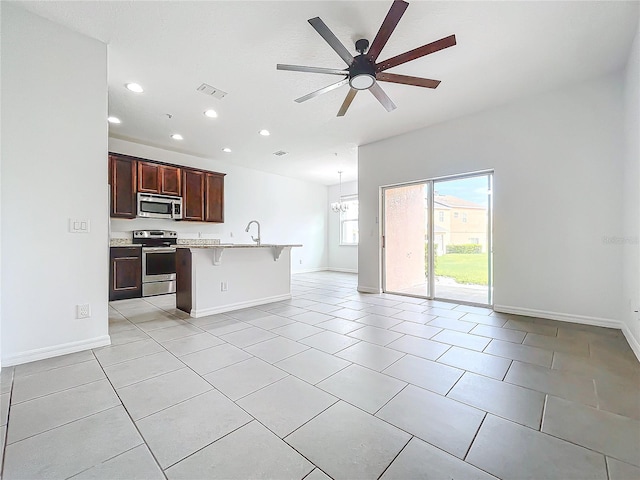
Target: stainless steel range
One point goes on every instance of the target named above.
(158, 261)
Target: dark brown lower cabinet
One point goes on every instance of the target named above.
(125, 273)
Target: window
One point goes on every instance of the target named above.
(455, 214)
(349, 221)
(441, 216)
(464, 217)
(474, 240)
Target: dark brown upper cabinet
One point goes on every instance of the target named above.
(155, 178)
(122, 177)
(193, 195)
(170, 180)
(214, 197)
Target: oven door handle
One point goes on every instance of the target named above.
(159, 249)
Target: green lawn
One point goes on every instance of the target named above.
(469, 269)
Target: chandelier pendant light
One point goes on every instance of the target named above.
(339, 206)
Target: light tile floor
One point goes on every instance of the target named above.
(331, 383)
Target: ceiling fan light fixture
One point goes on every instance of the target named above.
(364, 71)
(362, 81)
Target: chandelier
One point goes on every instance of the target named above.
(339, 206)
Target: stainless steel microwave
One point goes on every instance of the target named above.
(159, 206)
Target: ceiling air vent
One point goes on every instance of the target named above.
(280, 153)
(212, 91)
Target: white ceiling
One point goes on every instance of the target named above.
(505, 50)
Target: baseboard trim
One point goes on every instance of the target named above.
(563, 317)
(238, 306)
(343, 270)
(310, 270)
(363, 289)
(55, 351)
(631, 340)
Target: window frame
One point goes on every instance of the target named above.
(342, 221)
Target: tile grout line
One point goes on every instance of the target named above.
(106, 460)
(394, 458)
(54, 368)
(466, 454)
(60, 391)
(507, 370)
(454, 384)
(253, 419)
(544, 410)
(388, 401)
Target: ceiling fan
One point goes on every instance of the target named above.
(363, 72)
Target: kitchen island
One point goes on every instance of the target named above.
(221, 278)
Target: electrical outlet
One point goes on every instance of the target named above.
(83, 310)
(224, 286)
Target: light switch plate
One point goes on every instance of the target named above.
(79, 225)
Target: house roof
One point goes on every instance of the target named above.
(449, 201)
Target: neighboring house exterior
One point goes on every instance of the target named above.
(458, 221)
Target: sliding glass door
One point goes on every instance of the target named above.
(406, 226)
(437, 239)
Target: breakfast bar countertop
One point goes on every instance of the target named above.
(236, 245)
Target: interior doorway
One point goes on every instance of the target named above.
(437, 239)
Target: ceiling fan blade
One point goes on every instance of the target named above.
(382, 97)
(331, 39)
(405, 57)
(322, 90)
(300, 68)
(407, 80)
(347, 102)
(386, 29)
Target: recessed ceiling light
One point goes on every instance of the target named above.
(211, 114)
(264, 133)
(226, 150)
(134, 87)
(177, 136)
(113, 120)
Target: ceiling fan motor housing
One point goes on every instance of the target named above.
(362, 72)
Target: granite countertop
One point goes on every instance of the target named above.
(122, 242)
(200, 243)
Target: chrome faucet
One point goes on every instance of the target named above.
(257, 240)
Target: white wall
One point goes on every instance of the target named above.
(54, 145)
(289, 211)
(631, 190)
(558, 170)
(342, 258)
